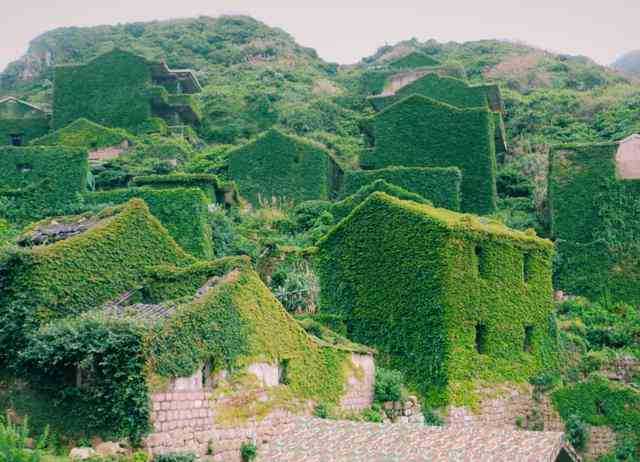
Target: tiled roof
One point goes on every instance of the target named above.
(317, 440)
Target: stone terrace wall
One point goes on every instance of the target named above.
(183, 416)
(502, 411)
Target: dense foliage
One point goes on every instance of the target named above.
(183, 212)
(440, 185)
(426, 325)
(39, 181)
(83, 133)
(593, 217)
(81, 272)
(416, 132)
(282, 166)
(208, 183)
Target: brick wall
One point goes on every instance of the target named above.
(183, 415)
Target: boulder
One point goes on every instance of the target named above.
(109, 448)
(81, 453)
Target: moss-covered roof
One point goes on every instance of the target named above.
(83, 133)
(458, 221)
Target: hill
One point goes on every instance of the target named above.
(628, 64)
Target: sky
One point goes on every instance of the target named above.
(347, 30)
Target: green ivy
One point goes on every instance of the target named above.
(417, 132)
(593, 218)
(279, 165)
(183, 212)
(81, 272)
(438, 184)
(209, 184)
(83, 133)
(406, 279)
(413, 60)
(29, 129)
(342, 208)
(39, 181)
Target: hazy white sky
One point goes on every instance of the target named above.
(345, 31)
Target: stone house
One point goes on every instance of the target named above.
(122, 89)
(452, 299)
(21, 122)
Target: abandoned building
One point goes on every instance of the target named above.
(456, 92)
(450, 297)
(122, 89)
(285, 167)
(39, 180)
(102, 143)
(21, 122)
(594, 194)
(420, 132)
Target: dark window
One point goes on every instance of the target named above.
(24, 168)
(478, 258)
(527, 267)
(16, 139)
(207, 375)
(600, 407)
(528, 339)
(283, 372)
(481, 338)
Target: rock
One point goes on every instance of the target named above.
(28, 443)
(109, 449)
(81, 453)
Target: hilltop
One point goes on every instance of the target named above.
(628, 64)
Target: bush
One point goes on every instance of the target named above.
(577, 432)
(248, 451)
(175, 457)
(388, 385)
(372, 414)
(431, 418)
(321, 410)
(13, 443)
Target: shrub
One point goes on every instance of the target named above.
(577, 432)
(321, 410)
(175, 457)
(372, 414)
(432, 418)
(248, 451)
(13, 443)
(388, 385)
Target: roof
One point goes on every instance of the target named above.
(25, 103)
(315, 440)
(452, 220)
(633, 137)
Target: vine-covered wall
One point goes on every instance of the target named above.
(418, 283)
(412, 60)
(420, 132)
(18, 118)
(448, 90)
(208, 184)
(109, 90)
(280, 165)
(37, 181)
(83, 133)
(183, 212)
(594, 219)
(440, 185)
(81, 272)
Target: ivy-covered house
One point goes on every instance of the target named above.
(594, 196)
(448, 90)
(122, 89)
(20, 121)
(102, 143)
(40, 181)
(451, 299)
(283, 166)
(420, 132)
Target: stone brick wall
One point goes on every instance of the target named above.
(359, 394)
(504, 410)
(183, 415)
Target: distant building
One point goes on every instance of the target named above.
(122, 89)
(594, 198)
(283, 166)
(20, 121)
(418, 131)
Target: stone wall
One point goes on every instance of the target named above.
(359, 394)
(183, 415)
(517, 408)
